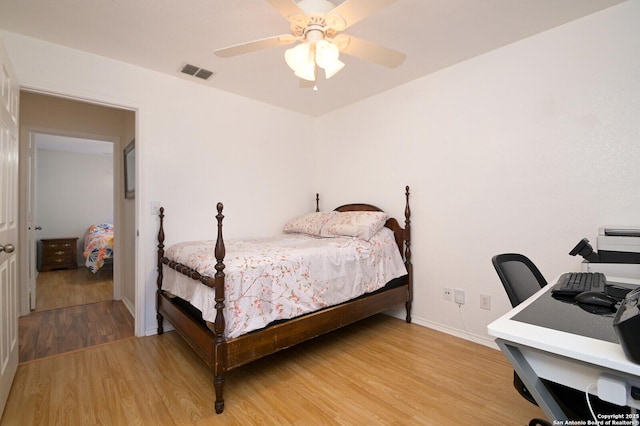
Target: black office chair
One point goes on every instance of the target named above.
(519, 276)
(521, 279)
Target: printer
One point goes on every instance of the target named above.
(619, 245)
(618, 252)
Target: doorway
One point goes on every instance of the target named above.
(73, 204)
(48, 115)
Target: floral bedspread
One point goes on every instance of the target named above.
(283, 277)
(98, 246)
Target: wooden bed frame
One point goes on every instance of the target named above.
(221, 354)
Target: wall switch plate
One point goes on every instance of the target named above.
(155, 208)
(485, 302)
(459, 296)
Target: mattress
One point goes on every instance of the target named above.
(283, 277)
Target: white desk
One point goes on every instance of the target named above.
(577, 361)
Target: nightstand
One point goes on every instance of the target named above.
(59, 253)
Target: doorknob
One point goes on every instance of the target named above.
(8, 248)
(38, 228)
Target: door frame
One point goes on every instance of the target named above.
(139, 305)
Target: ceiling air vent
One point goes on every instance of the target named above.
(196, 71)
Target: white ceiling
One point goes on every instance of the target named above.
(163, 35)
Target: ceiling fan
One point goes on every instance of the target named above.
(316, 26)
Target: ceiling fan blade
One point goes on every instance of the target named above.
(252, 46)
(353, 11)
(370, 52)
(286, 8)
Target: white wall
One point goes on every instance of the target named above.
(74, 191)
(525, 149)
(195, 146)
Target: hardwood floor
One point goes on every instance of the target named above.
(61, 330)
(62, 288)
(75, 310)
(379, 371)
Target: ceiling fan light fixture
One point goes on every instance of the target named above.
(298, 55)
(327, 55)
(307, 74)
(301, 59)
(306, 71)
(332, 68)
(304, 57)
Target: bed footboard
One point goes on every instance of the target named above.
(159, 316)
(407, 253)
(220, 342)
(196, 335)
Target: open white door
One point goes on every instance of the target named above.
(9, 291)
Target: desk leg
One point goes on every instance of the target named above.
(536, 387)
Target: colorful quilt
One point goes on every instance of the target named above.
(98, 246)
(283, 277)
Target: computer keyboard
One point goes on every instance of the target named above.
(571, 284)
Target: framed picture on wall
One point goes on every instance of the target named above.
(130, 170)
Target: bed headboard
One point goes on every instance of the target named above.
(357, 207)
(402, 235)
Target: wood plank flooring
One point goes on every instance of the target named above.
(380, 371)
(68, 329)
(59, 289)
(75, 310)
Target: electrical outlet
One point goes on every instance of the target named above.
(485, 302)
(447, 294)
(459, 296)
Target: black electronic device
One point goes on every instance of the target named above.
(616, 291)
(584, 249)
(570, 284)
(595, 298)
(627, 325)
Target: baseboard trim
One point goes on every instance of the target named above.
(463, 334)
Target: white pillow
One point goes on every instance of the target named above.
(311, 223)
(360, 224)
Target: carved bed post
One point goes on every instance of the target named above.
(407, 252)
(220, 343)
(317, 202)
(159, 282)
